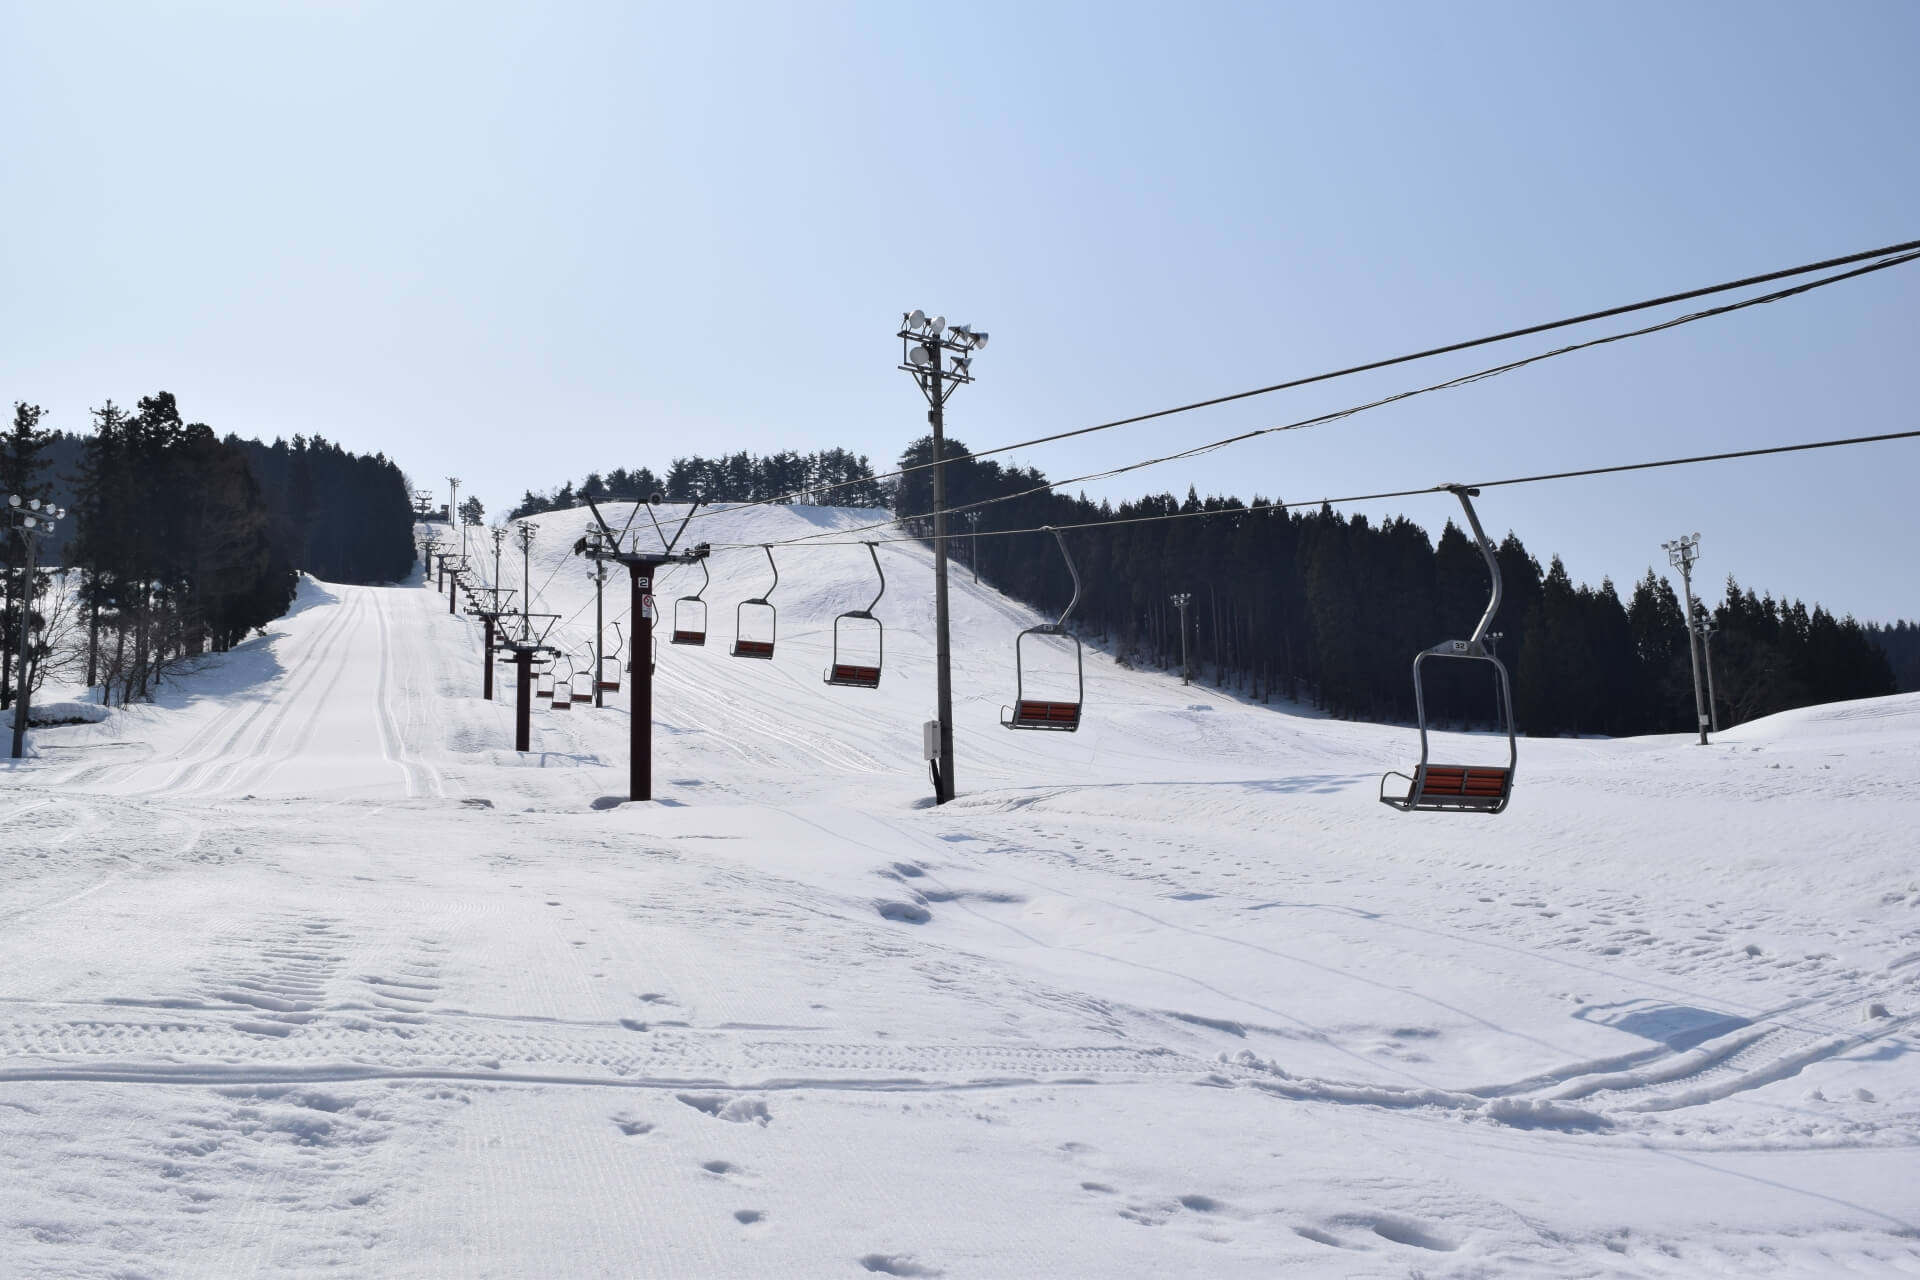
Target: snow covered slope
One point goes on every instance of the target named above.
(307, 972)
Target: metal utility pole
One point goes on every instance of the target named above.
(1181, 599)
(1681, 553)
(527, 529)
(973, 543)
(641, 567)
(923, 343)
(453, 511)
(33, 520)
(499, 535)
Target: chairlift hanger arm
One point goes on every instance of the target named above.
(1480, 540)
(1073, 603)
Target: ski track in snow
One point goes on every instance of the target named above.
(309, 973)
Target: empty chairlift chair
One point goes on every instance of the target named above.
(690, 614)
(543, 677)
(760, 615)
(610, 663)
(1028, 711)
(563, 684)
(1461, 788)
(851, 668)
(583, 681)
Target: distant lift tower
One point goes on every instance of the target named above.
(1681, 553)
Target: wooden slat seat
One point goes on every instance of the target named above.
(689, 637)
(1455, 786)
(1036, 713)
(753, 648)
(851, 673)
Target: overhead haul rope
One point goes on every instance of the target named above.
(1339, 414)
(1259, 507)
(1905, 250)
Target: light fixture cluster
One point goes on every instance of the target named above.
(34, 515)
(922, 335)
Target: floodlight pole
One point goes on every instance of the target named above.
(527, 528)
(973, 543)
(1681, 553)
(924, 344)
(453, 511)
(1180, 601)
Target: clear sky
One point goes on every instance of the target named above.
(520, 242)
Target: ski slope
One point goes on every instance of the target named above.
(306, 972)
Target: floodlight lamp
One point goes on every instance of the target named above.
(960, 365)
(33, 503)
(979, 341)
(28, 521)
(13, 499)
(916, 319)
(920, 357)
(938, 324)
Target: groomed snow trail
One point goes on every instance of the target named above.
(307, 972)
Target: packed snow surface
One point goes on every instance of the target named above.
(304, 971)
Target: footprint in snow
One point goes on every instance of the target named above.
(733, 1110)
(893, 1264)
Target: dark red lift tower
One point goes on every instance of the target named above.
(642, 566)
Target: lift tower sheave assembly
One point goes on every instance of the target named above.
(641, 568)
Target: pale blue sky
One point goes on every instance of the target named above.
(520, 242)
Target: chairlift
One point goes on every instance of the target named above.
(742, 646)
(1458, 787)
(610, 674)
(690, 614)
(1048, 713)
(848, 673)
(563, 687)
(582, 685)
(543, 677)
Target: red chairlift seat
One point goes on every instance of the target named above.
(843, 671)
